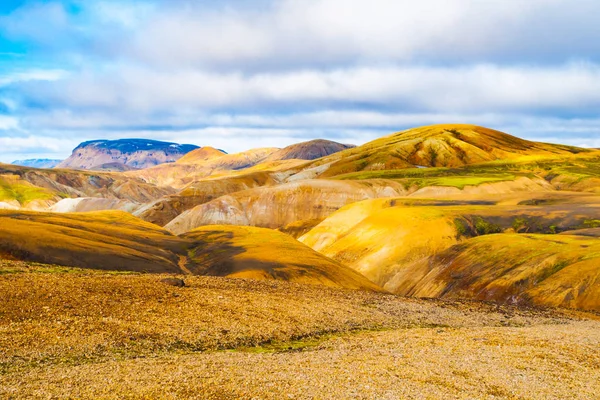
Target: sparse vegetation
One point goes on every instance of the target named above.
(71, 334)
(22, 192)
(148, 316)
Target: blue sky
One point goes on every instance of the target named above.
(242, 74)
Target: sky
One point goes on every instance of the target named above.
(239, 74)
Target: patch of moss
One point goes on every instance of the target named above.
(483, 227)
(22, 193)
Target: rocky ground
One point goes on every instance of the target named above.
(69, 333)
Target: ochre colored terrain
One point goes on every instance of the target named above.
(450, 145)
(259, 253)
(397, 243)
(118, 241)
(69, 333)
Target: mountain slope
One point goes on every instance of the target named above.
(40, 188)
(278, 206)
(165, 209)
(258, 253)
(115, 240)
(448, 145)
(136, 153)
(393, 241)
(559, 271)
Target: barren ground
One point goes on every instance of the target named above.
(68, 333)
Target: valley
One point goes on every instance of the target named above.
(201, 272)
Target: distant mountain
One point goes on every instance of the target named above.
(134, 153)
(37, 163)
(310, 150)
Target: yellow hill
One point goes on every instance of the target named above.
(200, 165)
(200, 155)
(557, 270)
(449, 145)
(111, 240)
(391, 240)
(259, 253)
(114, 240)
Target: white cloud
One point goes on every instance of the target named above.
(479, 88)
(238, 74)
(324, 32)
(8, 123)
(33, 75)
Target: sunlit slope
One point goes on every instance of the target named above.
(24, 185)
(118, 241)
(201, 155)
(573, 172)
(386, 239)
(111, 240)
(16, 192)
(448, 145)
(278, 206)
(202, 164)
(165, 209)
(258, 253)
(554, 270)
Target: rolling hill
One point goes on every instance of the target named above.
(557, 270)
(258, 253)
(201, 155)
(118, 241)
(449, 145)
(394, 242)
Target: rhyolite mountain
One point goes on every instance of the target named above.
(133, 153)
(310, 150)
(37, 163)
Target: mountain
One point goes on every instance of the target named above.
(449, 145)
(419, 247)
(115, 240)
(37, 163)
(310, 150)
(208, 162)
(135, 153)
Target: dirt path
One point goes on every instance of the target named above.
(182, 263)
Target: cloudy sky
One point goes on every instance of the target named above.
(237, 74)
